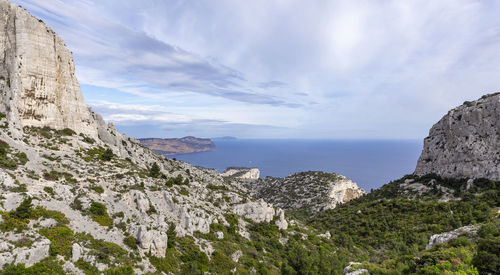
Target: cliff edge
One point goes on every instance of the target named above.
(465, 143)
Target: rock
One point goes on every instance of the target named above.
(465, 143)
(37, 76)
(28, 256)
(236, 256)
(76, 252)
(325, 235)
(347, 269)
(48, 223)
(241, 173)
(219, 235)
(448, 236)
(312, 191)
(6, 180)
(152, 241)
(257, 211)
(281, 223)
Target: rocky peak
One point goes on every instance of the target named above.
(311, 191)
(465, 143)
(37, 76)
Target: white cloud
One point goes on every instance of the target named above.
(317, 68)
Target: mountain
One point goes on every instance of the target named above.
(171, 146)
(79, 197)
(465, 143)
(308, 192)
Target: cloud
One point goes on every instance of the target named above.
(105, 47)
(320, 69)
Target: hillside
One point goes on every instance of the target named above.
(79, 197)
(171, 146)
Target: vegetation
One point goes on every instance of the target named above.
(154, 171)
(99, 214)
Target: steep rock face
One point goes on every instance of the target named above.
(465, 143)
(242, 173)
(313, 191)
(37, 75)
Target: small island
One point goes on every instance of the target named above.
(172, 146)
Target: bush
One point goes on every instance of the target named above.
(23, 211)
(154, 171)
(131, 242)
(66, 132)
(49, 190)
(61, 240)
(99, 214)
(107, 155)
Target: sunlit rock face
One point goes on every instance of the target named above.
(37, 75)
(312, 191)
(465, 143)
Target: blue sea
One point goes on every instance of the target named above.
(370, 163)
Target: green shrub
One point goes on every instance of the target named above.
(46, 266)
(66, 132)
(61, 240)
(49, 190)
(99, 214)
(131, 242)
(154, 171)
(97, 189)
(107, 155)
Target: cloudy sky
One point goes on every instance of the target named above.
(278, 68)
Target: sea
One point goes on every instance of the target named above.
(370, 163)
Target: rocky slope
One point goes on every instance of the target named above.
(311, 191)
(79, 197)
(171, 146)
(465, 143)
(241, 173)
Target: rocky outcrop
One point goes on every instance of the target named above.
(258, 211)
(241, 173)
(311, 191)
(465, 143)
(37, 76)
(170, 146)
(25, 255)
(152, 241)
(448, 236)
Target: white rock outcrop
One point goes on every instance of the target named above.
(313, 191)
(37, 76)
(242, 173)
(257, 211)
(28, 256)
(448, 236)
(465, 143)
(152, 241)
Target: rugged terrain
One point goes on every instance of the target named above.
(465, 143)
(171, 146)
(307, 191)
(241, 173)
(79, 197)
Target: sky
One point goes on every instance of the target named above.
(315, 69)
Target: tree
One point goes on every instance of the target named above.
(23, 211)
(107, 155)
(154, 171)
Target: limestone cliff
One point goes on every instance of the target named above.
(465, 143)
(241, 173)
(37, 75)
(311, 191)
